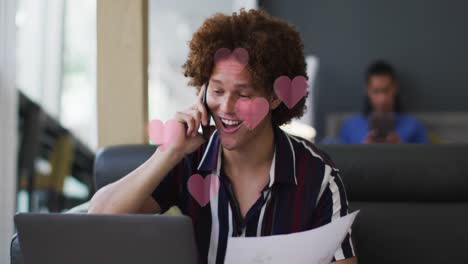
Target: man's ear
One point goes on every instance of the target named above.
(274, 102)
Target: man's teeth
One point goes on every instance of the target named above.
(230, 122)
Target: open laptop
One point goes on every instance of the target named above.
(117, 239)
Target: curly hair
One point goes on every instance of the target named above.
(275, 48)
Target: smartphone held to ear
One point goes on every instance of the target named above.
(206, 129)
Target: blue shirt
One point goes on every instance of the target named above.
(410, 130)
(305, 191)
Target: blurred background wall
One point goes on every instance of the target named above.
(8, 124)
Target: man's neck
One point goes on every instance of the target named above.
(257, 154)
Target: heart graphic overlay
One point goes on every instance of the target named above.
(202, 189)
(228, 61)
(164, 134)
(290, 92)
(252, 111)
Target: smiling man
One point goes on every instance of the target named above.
(262, 181)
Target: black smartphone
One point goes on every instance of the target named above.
(206, 129)
(383, 124)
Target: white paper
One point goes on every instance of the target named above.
(316, 246)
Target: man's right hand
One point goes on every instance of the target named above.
(190, 120)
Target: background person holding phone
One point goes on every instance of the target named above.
(382, 120)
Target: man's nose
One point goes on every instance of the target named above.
(228, 105)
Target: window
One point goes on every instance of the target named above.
(56, 61)
(171, 25)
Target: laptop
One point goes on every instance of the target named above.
(87, 238)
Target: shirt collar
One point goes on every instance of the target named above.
(209, 159)
(283, 166)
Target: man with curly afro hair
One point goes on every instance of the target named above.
(244, 176)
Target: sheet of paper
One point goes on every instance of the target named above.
(316, 246)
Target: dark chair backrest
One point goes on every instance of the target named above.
(113, 163)
(413, 198)
(413, 201)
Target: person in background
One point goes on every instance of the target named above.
(382, 120)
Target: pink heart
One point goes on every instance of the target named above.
(291, 92)
(164, 134)
(202, 189)
(252, 111)
(232, 61)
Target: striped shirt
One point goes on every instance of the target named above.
(304, 192)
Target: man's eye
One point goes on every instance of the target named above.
(244, 95)
(218, 92)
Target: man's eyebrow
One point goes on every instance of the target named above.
(243, 85)
(216, 81)
(239, 85)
